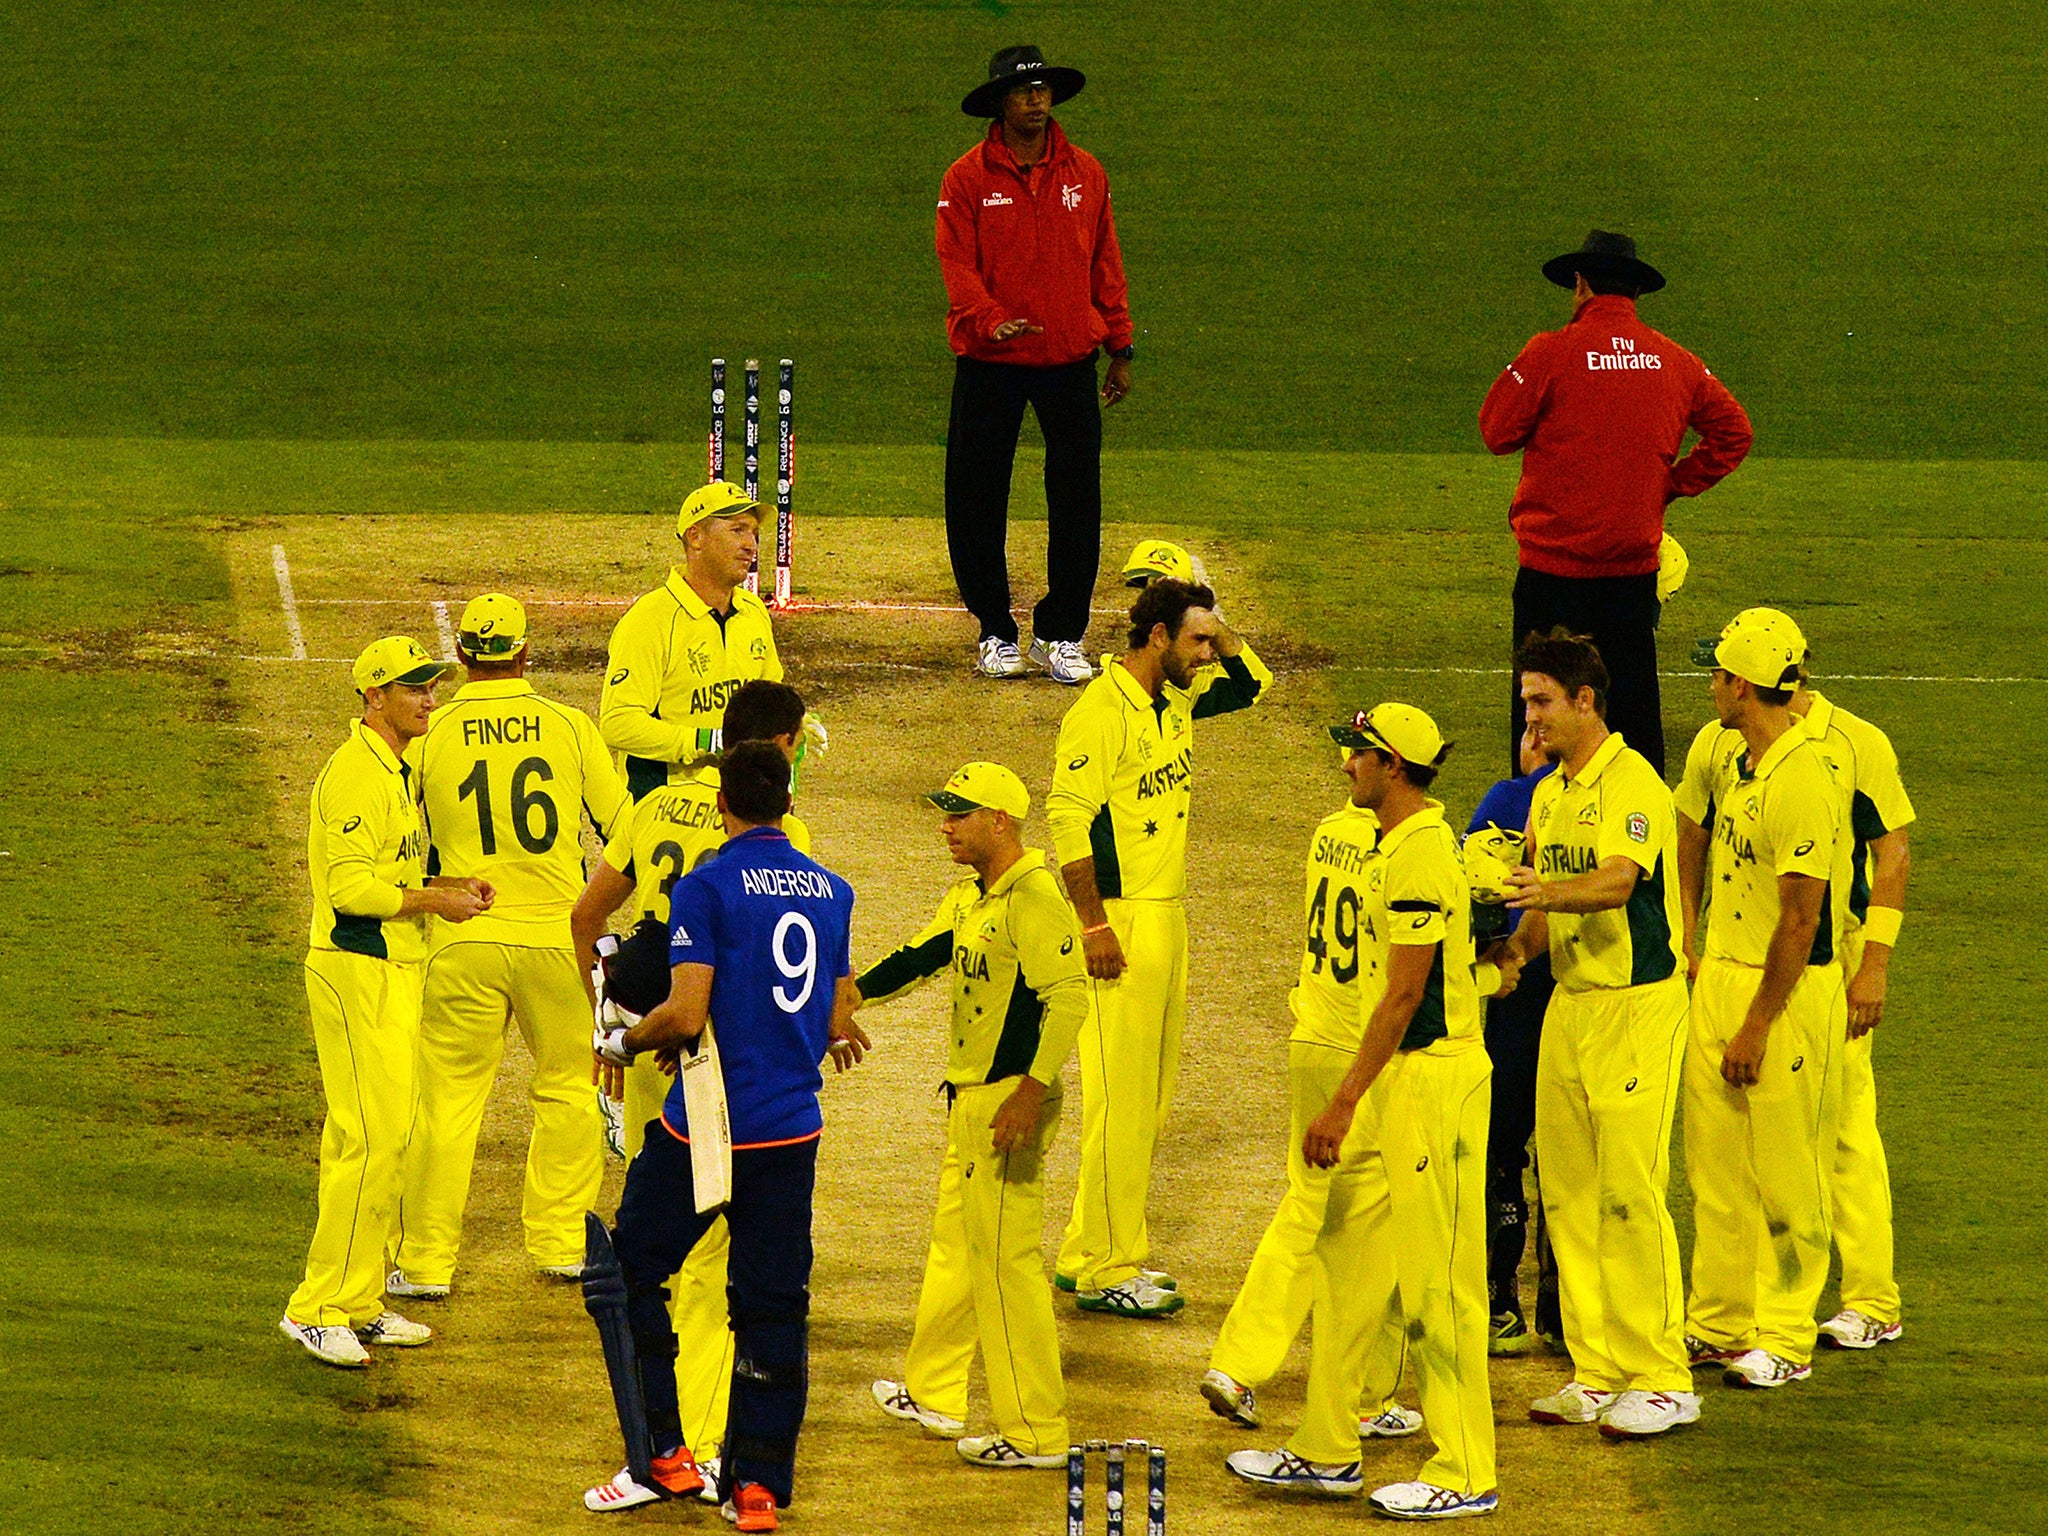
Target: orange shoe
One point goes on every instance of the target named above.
(752, 1508)
(678, 1473)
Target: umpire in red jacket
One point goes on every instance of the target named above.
(1599, 411)
(1034, 286)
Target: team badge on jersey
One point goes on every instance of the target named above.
(1638, 828)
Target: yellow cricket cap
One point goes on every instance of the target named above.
(1154, 558)
(721, 498)
(1398, 728)
(397, 659)
(1672, 566)
(1760, 645)
(979, 785)
(493, 627)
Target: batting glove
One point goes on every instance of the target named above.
(610, 1044)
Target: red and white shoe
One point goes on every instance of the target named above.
(751, 1508)
(1850, 1329)
(622, 1492)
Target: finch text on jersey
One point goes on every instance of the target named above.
(484, 731)
(772, 881)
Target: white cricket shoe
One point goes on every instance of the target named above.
(1064, 659)
(1638, 1415)
(332, 1345)
(390, 1328)
(1230, 1399)
(1761, 1368)
(1000, 658)
(1284, 1469)
(708, 1494)
(1390, 1423)
(1426, 1501)
(622, 1492)
(1135, 1297)
(1850, 1329)
(995, 1451)
(894, 1399)
(395, 1284)
(1572, 1403)
(567, 1273)
(613, 1113)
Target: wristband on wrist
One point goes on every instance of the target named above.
(1089, 933)
(1881, 926)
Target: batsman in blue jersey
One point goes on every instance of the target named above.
(759, 946)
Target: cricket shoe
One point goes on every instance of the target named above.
(1230, 1399)
(751, 1508)
(1158, 1277)
(1508, 1334)
(1135, 1297)
(1000, 658)
(1638, 1415)
(332, 1345)
(1284, 1469)
(676, 1476)
(894, 1399)
(1390, 1423)
(395, 1284)
(1698, 1353)
(1850, 1329)
(995, 1451)
(1572, 1403)
(1761, 1368)
(1064, 659)
(1426, 1501)
(622, 1492)
(708, 1470)
(390, 1328)
(568, 1274)
(613, 1114)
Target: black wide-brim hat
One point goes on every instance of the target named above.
(1604, 255)
(1022, 65)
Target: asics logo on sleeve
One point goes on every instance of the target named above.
(351, 824)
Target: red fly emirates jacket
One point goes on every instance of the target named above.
(1037, 245)
(1599, 411)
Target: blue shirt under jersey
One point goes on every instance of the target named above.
(776, 929)
(1506, 806)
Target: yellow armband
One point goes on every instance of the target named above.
(1881, 926)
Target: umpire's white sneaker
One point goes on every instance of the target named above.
(396, 1284)
(1572, 1403)
(1000, 658)
(1064, 659)
(1850, 1329)
(1426, 1501)
(894, 1399)
(390, 1328)
(1638, 1415)
(1231, 1399)
(1761, 1368)
(1390, 1423)
(1135, 1297)
(995, 1451)
(1284, 1469)
(622, 1492)
(333, 1345)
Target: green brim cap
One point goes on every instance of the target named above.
(1703, 651)
(952, 804)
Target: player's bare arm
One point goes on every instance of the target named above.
(1891, 862)
(1692, 887)
(1408, 967)
(456, 900)
(1600, 889)
(1800, 899)
(679, 1018)
(1098, 940)
(591, 917)
(1016, 1118)
(850, 1042)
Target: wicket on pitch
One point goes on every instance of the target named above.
(1115, 1455)
(785, 457)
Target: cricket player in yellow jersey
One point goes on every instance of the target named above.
(682, 649)
(1880, 817)
(1335, 992)
(364, 850)
(1769, 1019)
(661, 837)
(1122, 783)
(1007, 938)
(1602, 902)
(505, 777)
(1421, 1190)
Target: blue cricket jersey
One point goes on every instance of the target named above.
(776, 929)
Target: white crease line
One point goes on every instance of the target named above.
(291, 604)
(447, 633)
(627, 602)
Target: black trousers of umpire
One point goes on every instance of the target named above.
(1514, 1034)
(1620, 613)
(981, 447)
(767, 1295)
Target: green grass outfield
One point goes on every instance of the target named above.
(498, 219)
(157, 1092)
